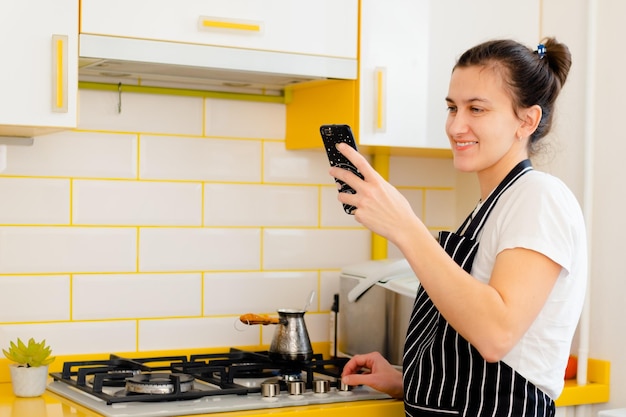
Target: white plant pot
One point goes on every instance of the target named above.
(28, 382)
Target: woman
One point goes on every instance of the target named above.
(500, 299)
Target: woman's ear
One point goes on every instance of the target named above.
(530, 118)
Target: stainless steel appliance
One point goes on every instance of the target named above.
(376, 299)
(201, 384)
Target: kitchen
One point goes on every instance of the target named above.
(184, 201)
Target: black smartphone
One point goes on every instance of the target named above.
(332, 135)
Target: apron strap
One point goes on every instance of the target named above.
(479, 219)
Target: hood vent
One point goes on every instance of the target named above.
(202, 67)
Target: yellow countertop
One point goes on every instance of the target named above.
(51, 405)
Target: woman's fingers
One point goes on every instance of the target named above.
(356, 158)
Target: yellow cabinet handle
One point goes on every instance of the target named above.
(219, 23)
(380, 118)
(59, 73)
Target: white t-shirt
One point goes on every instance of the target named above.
(540, 213)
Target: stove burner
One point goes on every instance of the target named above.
(115, 377)
(159, 383)
(287, 377)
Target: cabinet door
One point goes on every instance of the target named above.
(393, 72)
(38, 77)
(408, 49)
(458, 25)
(316, 27)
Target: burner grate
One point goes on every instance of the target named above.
(218, 372)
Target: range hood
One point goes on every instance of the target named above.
(117, 60)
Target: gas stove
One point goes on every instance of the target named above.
(201, 384)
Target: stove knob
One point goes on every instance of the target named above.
(270, 389)
(296, 387)
(321, 386)
(342, 387)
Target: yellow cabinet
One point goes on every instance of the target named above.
(407, 51)
(38, 76)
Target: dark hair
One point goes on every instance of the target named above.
(533, 77)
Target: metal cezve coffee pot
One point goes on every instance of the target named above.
(291, 340)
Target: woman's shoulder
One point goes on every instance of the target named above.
(540, 190)
(539, 182)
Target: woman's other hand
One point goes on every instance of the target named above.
(377, 373)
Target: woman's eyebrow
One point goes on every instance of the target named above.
(471, 100)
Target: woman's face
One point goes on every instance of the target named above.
(482, 126)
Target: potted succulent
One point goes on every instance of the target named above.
(29, 373)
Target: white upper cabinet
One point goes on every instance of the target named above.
(38, 76)
(408, 49)
(254, 46)
(315, 27)
(393, 72)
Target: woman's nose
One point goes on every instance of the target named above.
(456, 124)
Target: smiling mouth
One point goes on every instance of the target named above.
(465, 144)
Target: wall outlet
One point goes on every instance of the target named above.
(3, 157)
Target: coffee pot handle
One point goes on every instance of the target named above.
(264, 319)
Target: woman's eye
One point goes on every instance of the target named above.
(476, 110)
(451, 109)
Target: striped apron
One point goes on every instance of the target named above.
(444, 375)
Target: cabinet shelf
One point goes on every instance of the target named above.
(595, 391)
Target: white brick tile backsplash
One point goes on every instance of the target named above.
(76, 154)
(260, 205)
(333, 214)
(314, 249)
(67, 249)
(194, 333)
(329, 286)
(317, 325)
(34, 201)
(157, 226)
(74, 338)
(137, 203)
(176, 158)
(257, 292)
(440, 209)
(136, 296)
(146, 113)
(416, 200)
(26, 298)
(421, 172)
(299, 167)
(199, 249)
(245, 119)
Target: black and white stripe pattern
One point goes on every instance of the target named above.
(443, 373)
